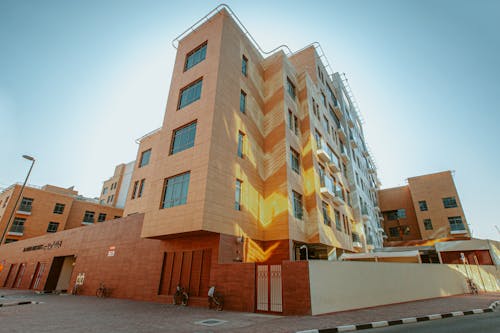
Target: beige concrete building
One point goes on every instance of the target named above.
(48, 209)
(115, 189)
(428, 208)
(265, 148)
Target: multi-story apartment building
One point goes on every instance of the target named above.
(115, 189)
(48, 209)
(427, 208)
(264, 149)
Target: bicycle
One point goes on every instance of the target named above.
(77, 289)
(102, 291)
(472, 287)
(181, 296)
(215, 299)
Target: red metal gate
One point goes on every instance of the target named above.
(269, 288)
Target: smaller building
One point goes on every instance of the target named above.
(427, 208)
(48, 209)
(115, 189)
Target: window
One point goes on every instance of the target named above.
(296, 125)
(237, 195)
(456, 223)
(402, 213)
(175, 190)
(183, 138)
(315, 108)
(104, 190)
(88, 217)
(141, 188)
(326, 125)
(5, 202)
(392, 215)
(244, 65)
(10, 240)
(101, 217)
(145, 158)
(59, 208)
(394, 232)
(326, 214)
(297, 205)
(423, 205)
(338, 224)
(26, 204)
(323, 97)
(243, 101)
(241, 143)
(195, 56)
(52, 227)
(290, 88)
(295, 161)
(134, 191)
(428, 224)
(190, 94)
(18, 225)
(290, 120)
(450, 202)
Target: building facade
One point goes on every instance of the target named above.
(48, 209)
(428, 208)
(115, 189)
(269, 151)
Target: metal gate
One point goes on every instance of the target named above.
(269, 288)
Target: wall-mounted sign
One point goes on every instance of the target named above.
(49, 246)
(111, 251)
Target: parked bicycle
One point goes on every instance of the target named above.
(472, 287)
(215, 299)
(181, 296)
(102, 291)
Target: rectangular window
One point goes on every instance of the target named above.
(296, 125)
(338, 224)
(295, 161)
(237, 195)
(145, 158)
(190, 94)
(5, 202)
(428, 224)
(402, 213)
(392, 215)
(326, 125)
(423, 205)
(88, 217)
(241, 144)
(104, 190)
(59, 208)
(243, 101)
(326, 214)
(394, 232)
(290, 88)
(26, 205)
(290, 120)
(195, 56)
(456, 223)
(134, 191)
(141, 188)
(323, 97)
(18, 225)
(244, 65)
(10, 240)
(101, 217)
(175, 190)
(183, 138)
(449, 202)
(52, 227)
(297, 205)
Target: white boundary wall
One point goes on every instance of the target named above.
(339, 286)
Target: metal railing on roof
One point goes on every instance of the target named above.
(147, 134)
(213, 12)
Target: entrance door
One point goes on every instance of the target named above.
(269, 288)
(19, 276)
(10, 274)
(60, 273)
(35, 281)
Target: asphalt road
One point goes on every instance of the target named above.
(480, 323)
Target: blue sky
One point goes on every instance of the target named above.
(81, 80)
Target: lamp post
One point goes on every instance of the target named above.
(32, 159)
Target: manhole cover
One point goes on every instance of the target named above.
(211, 322)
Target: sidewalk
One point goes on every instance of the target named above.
(91, 314)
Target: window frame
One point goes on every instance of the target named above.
(51, 224)
(141, 161)
(297, 205)
(244, 65)
(186, 88)
(181, 135)
(295, 160)
(238, 194)
(59, 211)
(240, 152)
(193, 52)
(182, 201)
(243, 101)
(450, 202)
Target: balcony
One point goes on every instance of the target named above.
(24, 210)
(334, 163)
(371, 170)
(366, 153)
(16, 230)
(457, 229)
(327, 188)
(354, 144)
(323, 152)
(350, 122)
(343, 154)
(364, 214)
(356, 241)
(380, 229)
(341, 133)
(339, 196)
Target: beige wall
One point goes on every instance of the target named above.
(340, 286)
(65, 276)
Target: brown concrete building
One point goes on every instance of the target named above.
(428, 208)
(115, 189)
(49, 209)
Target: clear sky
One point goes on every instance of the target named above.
(81, 80)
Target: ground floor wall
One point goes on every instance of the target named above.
(113, 253)
(340, 286)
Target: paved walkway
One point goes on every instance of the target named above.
(91, 314)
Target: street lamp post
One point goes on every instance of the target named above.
(32, 159)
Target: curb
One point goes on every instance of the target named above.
(2, 305)
(384, 323)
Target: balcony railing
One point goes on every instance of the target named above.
(334, 162)
(323, 151)
(327, 187)
(458, 228)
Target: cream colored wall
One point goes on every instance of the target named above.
(340, 286)
(66, 270)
